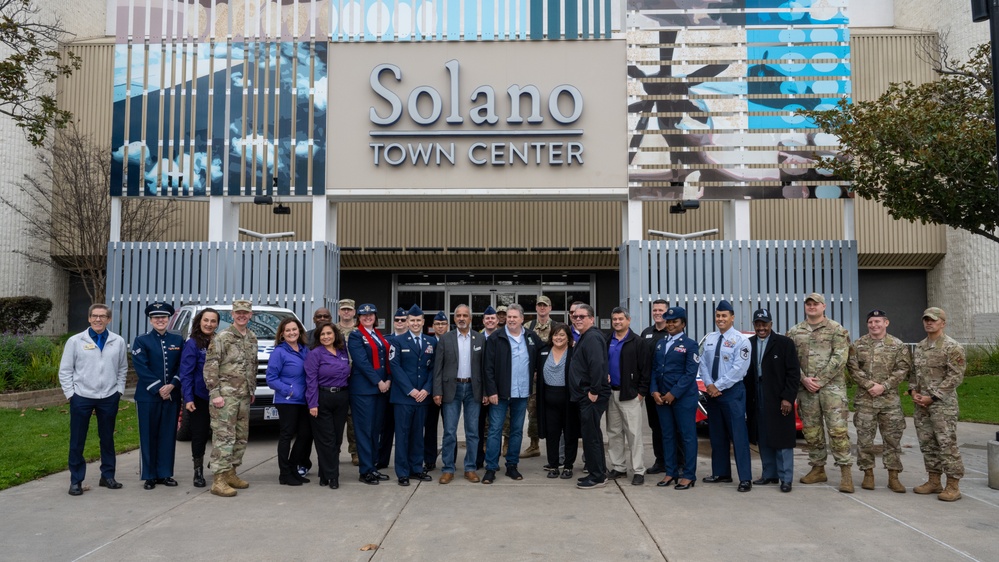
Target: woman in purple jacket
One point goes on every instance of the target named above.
(286, 376)
(327, 369)
(192, 385)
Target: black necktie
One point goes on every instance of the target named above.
(717, 360)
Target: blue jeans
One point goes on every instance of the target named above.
(497, 414)
(451, 411)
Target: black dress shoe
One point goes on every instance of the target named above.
(421, 476)
(430, 466)
(75, 489)
(615, 474)
(785, 487)
(149, 485)
(380, 476)
(324, 481)
(404, 481)
(109, 483)
(716, 479)
(169, 482)
(368, 478)
(686, 486)
(664, 482)
(763, 481)
(745, 486)
(334, 483)
(657, 468)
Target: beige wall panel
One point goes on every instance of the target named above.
(595, 68)
(88, 94)
(881, 57)
(656, 216)
(498, 224)
(886, 242)
(796, 219)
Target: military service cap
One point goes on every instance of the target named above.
(675, 313)
(242, 305)
(367, 309)
(877, 313)
(441, 317)
(346, 303)
(724, 306)
(934, 313)
(159, 308)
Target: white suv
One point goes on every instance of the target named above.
(264, 324)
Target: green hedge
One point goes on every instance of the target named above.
(23, 315)
(28, 363)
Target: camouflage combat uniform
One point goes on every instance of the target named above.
(884, 362)
(938, 369)
(823, 351)
(351, 440)
(230, 372)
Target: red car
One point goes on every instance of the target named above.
(701, 416)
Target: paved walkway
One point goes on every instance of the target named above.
(532, 519)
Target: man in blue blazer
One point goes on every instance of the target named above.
(369, 382)
(412, 360)
(156, 359)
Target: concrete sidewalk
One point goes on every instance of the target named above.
(532, 519)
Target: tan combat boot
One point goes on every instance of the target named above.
(814, 476)
(221, 488)
(951, 493)
(931, 486)
(868, 483)
(893, 484)
(533, 451)
(235, 481)
(846, 480)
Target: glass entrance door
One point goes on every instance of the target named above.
(445, 292)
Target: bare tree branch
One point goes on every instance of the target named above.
(67, 209)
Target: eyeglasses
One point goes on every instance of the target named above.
(322, 316)
(399, 319)
(99, 316)
(580, 316)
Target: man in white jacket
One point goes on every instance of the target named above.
(92, 375)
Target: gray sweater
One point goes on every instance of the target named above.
(90, 372)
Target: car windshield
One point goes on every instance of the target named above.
(263, 324)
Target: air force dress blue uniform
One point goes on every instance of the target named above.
(412, 360)
(156, 359)
(674, 371)
(724, 361)
(369, 354)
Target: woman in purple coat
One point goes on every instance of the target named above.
(286, 376)
(327, 370)
(192, 385)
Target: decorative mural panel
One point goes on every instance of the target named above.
(714, 89)
(195, 119)
(360, 20)
(228, 97)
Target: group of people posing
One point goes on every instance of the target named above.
(565, 377)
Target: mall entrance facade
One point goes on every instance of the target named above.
(435, 292)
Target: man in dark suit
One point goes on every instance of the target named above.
(457, 386)
(771, 388)
(412, 361)
(510, 364)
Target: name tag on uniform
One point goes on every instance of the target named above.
(90, 346)
(404, 350)
(648, 336)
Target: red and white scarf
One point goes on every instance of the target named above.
(375, 361)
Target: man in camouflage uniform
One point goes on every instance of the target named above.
(231, 378)
(346, 325)
(823, 350)
(938, 370)
(878, 363)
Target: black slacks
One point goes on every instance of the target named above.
(327, 431)
(294, 425)
(593, 438)
(561, 418)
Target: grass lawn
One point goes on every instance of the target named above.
(976, 397)
(36, 441)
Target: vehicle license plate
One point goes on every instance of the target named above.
(271, 413)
